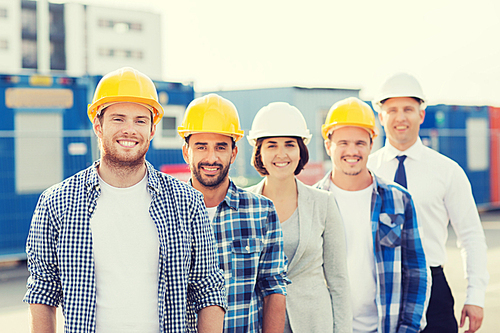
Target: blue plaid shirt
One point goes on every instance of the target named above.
(403, 283)
(250, 243)
(60, 255)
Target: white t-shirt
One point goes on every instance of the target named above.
(211, 212)
(125, 245)
(355, 208)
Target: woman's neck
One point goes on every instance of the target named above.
(283, 193)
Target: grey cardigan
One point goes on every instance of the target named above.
(311, 304)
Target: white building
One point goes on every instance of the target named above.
(83, 38)
(10, 35)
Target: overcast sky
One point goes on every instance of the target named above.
(451, 46)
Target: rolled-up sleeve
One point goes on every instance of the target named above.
(272, 277)
(44, 284)
(206, 280)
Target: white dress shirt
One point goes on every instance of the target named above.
(441, 193)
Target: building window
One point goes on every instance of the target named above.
(105, 23)
(136, 26)
(166, 136)
(56, 17)
(120, 53)
(29, 35)
(57, 37)
(29, 53)
(28, 18)
(3, 13)
(120, 26)
(57, 55)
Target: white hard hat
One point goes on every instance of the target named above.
(278, 119)
(399, 85)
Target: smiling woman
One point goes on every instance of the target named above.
(312, 228)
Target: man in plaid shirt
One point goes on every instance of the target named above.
(246, 226)
(390, 284)
(123, 247)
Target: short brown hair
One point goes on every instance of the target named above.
(257, 158)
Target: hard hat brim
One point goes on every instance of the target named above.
(237, 135)
(252, 139)
(327, 130)
(158, 114)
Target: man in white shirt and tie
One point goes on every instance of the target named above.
(442, 194)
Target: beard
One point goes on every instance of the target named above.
(352, 173)
(122, 161)
(211, 182)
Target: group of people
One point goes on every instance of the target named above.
(125, 248)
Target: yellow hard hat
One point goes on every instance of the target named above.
(211, 114)
(350, 112)
(126, 85)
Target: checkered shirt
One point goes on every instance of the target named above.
(403, 284)
(250, 244)
(60, 255)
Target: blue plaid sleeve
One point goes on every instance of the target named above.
(44, 284)
(272, 277)
(206, 281)
(414, 272)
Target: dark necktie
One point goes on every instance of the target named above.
(400, 176)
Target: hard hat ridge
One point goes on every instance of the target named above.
(211, 114)
(126, 85)
(279, 119)
(350, 112)
(399, 85)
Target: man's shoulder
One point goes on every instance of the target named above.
(323, 183)
(435, 157)
(251, 210)
(389, 185)
(378, 153)
(72, 184)
(253, 189)
(313, 192)
(376, 158)
(176, 186)
(246, 195)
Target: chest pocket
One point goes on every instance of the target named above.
(390, 229)
(245, 258)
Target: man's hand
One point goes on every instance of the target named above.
(475, 314)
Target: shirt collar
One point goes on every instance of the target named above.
(232, 198)
(93, 177)
(328, 183)
(375, 183)
(92, 180)
(414, 152)
(153, 179)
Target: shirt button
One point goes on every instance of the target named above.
(247, 248)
